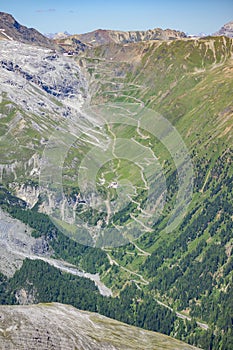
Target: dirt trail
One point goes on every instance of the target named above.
(184, 317)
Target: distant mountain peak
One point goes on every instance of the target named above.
(226, 30)
(58, 35)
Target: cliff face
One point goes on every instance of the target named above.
(57, 326)
(10, 29)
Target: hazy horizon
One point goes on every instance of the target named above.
(52, 16)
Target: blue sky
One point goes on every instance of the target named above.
(79, 16)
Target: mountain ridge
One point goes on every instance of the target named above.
(45, 326)
(105, 36)
(13, 30)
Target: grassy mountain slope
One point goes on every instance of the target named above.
(189, 269)
(190, 83)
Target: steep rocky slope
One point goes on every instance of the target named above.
(12, 30)
(38, 90)
(60, 327)
(17, 244)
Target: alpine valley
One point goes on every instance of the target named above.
(64, 284)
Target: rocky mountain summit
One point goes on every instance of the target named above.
(226, 30)
(57, 326)
(10, 29)
(59, 35)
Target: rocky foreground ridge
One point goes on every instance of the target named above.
(57, 326)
